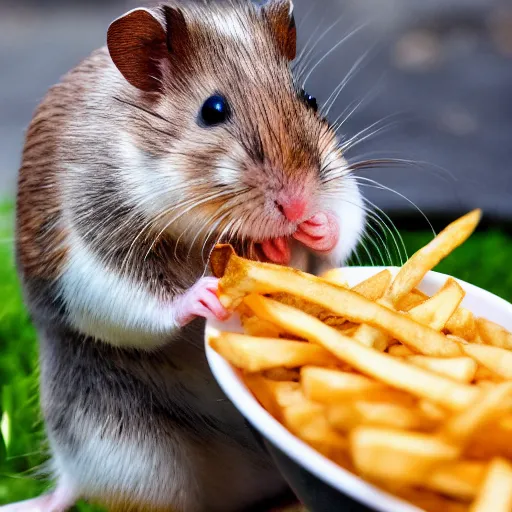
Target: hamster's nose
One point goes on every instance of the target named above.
(293, 209)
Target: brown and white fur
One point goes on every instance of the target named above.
(122, 194)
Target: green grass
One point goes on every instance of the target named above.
(483, 260)
(22, 446)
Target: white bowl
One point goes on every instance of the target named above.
(480, 302)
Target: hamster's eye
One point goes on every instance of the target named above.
(309, 100)
(215, 110)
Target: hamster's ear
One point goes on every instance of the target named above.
(280, 14)
(141, 39)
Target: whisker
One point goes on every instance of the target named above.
(368, 253)
(211, 226)
(211, 231)
(357, 139)
(389, 225)
(440, 172)
(367, 236)
(380, 238)
(138, 107)
(374, 217)
(328, 53)
(146, 227)
(306, 50)
(302, 61)
(357, 257)
(331, 100)
(306, 16)
(354, 106)
(374, 184)
(189, 204)
(374, 213)
(385, 224)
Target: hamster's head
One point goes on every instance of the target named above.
(233, 149)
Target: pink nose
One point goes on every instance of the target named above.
(293, 209)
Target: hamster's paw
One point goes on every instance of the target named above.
(320, 233)
(201, 300)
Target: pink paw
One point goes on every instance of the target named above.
(320, 233)
(201, 300)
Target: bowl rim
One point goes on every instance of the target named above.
(301, 453)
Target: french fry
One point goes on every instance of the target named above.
(242, 277)
(438, 309)
(430, 501)
(492, 440)
(339, 323)
(411, 392)
(432, 411)
(414, 298)
(485, 384)
(304, 305)
(302, 413)
(496, 492)
(414, 270)
(506, 423)
(496, 359)
(263, 392)
(494, 334)
(342, 416)
(460, 479)
(287, 393)
(374, 287)
(254, 326)
(484, 374)
(328, 386)
(274, 396)
(282, 375)
(462, 324)
(394, 455)
(493, 403)
(257, 354)
(460, 341)
(346, 416)
(371, 337)
(391, 395)
(308, 422)
(383, 367)
(392, 415)
(244, 312)
(335, 276)
(400, 351)
(462, 369)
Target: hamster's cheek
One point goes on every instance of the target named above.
(350, 213)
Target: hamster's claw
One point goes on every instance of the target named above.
(200, 301)
(320, 233)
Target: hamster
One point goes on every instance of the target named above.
(186, 130)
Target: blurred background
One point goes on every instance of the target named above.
(439, 71)
(436, 85)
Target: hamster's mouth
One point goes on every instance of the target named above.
(276, 250)
(320, 234)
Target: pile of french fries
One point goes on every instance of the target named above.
(413, 393)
